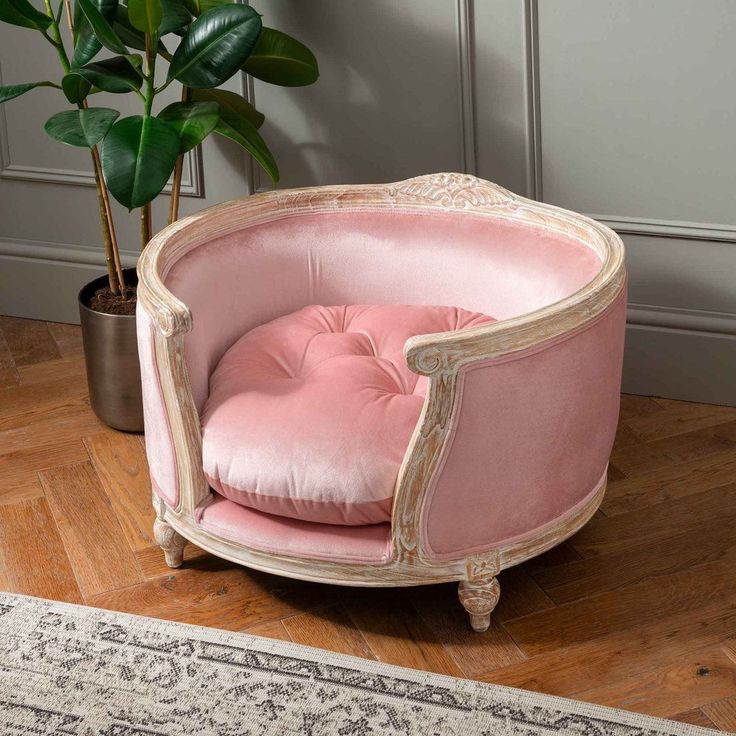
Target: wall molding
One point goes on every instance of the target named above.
(675, 318)
(669, 228)
(192, 184)
(532, 112)
(466, 84)
(534, 176)
(51, 252)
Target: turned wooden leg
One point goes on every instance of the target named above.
(479, 598)
(170, 541)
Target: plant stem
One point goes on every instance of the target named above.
(115, 276)
(150, 73)
(148, 96)
(178, 170)
(145, 225)
(69, 21)
(55, 38)
(114, 272)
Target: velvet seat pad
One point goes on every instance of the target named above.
(309, 416)
(370, 544)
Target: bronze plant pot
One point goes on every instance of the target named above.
(111, 355)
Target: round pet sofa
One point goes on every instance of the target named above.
(392, 384)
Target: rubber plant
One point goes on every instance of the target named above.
(204, 42)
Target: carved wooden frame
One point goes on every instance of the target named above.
(441, 357)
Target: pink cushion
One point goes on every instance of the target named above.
(309, 416)
(370, 544)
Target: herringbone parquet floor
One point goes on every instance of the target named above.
(638, 610)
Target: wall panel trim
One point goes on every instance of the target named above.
(49, 252)
(533, 122)
(535, 185)
(669, 228)
(466, 82)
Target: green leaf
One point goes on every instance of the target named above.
(197, 7)
(12, 91)
(75, 88)
(115, 75)
(138, 157)
(217, 43)
(176, 17)
(103, 30)
(232, 105)
(87, 46)
(84, 128)
(281, 59)
(245, 135)
(22, 13)
(193, 121)
(128, 35)
(145, 15)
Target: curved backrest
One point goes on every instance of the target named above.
(368, 255)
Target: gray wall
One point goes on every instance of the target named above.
(623, 110)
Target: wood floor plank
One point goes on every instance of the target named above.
(33, 555)
(624, 654)
(94, 540)
(593, 575)
(691, 682)
(29, 448)
(695, 717)
(670, 482)
(121, 466)
(54, 399)
(639, 406)
(678, 417)
(29, 341)
(218, 594)
(396, 635)
(19, 469)
(609, 535)
(635, 605)
(269, 629)
(625, 436)
(8, 373)
(520, 595)
(330, 629)
(645, 457)
(722, 713)
(68, 339)
(40, 373)
(474, 652)
(558, 555)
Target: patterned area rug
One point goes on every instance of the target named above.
(80, 671)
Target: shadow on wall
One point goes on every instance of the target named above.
(387, 104)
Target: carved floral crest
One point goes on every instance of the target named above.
(458, 191)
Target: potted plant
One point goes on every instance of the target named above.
(205, 43)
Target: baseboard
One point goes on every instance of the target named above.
(41, 280)
(670, 352)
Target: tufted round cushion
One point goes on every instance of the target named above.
(309, 416)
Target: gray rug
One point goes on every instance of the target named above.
(80, 671)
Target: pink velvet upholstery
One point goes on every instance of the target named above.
(531, 433)
(532, 438)
(239, 281)
(369, 544)
(309, 415)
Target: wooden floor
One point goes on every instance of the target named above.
(638, 610)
